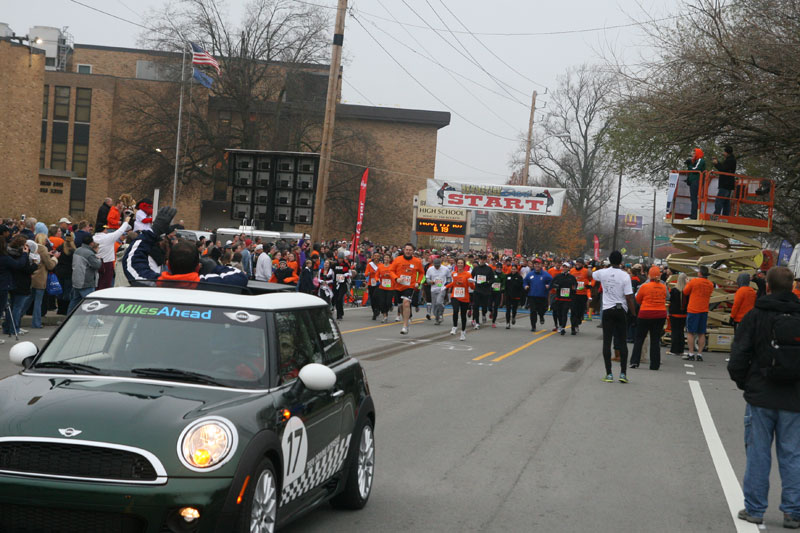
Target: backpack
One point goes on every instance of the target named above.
(781, 359)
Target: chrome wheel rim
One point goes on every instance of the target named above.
(265, 504)
(366, 462)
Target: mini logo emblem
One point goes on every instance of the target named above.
(242, 316)
(70, 432)
(94, 305)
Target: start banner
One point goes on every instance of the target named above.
(504, 198)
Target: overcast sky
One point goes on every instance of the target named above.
(471, 148)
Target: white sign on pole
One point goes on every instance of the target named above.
(504, 198)
(432, 211)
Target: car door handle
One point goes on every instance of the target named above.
(337, 394)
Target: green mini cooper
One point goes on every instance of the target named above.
(156, 409)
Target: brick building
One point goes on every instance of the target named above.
(70, 132)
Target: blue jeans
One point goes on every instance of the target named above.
(760, 425)
(3, 304)
(38, 295)
(694, 187)
(722, 205)
(77, 296)
(19, 304)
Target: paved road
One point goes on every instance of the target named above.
(530, 439)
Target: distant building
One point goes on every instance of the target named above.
(67, 124)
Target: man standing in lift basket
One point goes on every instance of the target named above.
(765, 363)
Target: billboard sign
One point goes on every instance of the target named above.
(503, 198)
(441, 227)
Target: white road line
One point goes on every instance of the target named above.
(688, 365)
(688, 373)
(727, 477)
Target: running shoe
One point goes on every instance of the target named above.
(533, 329)
(374, 317)
(541, 320)
(698, 357)
(427, 317)
(744, 515)
(22, 331)
(790, 521)
(404, 331)
(494, 325)
(574, 331)
(623, 378)
(384, 319)
(563, 331)
(453, 330)
(609, 378)
(463, 336)
(688, 357)
(397, 318)
(508, 326)
(513, 320)
(477, 326)
(437, 321)
(483, 319)
(555, 329)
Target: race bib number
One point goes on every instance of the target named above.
(339, 278)
(496, 286)
(386, 283)
(481, 279)
(581, 285)
(439, 283)
(564, 293)
(458, 292)
(373, 282)
(404, 280)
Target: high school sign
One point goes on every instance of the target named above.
(504, 198)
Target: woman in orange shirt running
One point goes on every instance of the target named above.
(386, 289)
(652, 300)
(459, 296)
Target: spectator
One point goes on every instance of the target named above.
(696, 165)
(699, 291)
(54, 236)
(743, 300)
(652, 298)
(64, 273)
(263, 264)
(85, 267)
(81, 232)
(677, 315)
(725, 184)
(306, 283)
(64, 226)
(21, 291)
(9, 265)
(106, 252)
(102, 213)
(772, 396)
(27, 229)
(47, 263)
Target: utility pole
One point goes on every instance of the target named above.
(653, 232)
(327, 125)
(520, 216)
(616, 215)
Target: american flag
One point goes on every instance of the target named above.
(202, 58)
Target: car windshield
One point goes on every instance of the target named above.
(175, 342)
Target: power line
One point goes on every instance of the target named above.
(460, 162)
(489, 49)
(479, 100)
(357, 91)
(425, 88)
(115, 16)
(469, 57)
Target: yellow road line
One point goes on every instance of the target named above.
(512, 352)
(484, 356)
(415, 321)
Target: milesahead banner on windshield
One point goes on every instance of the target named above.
(503, 198)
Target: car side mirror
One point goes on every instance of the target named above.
(22, 352)
(317, 377)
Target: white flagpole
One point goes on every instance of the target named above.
(180, 121)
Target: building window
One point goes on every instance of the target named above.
(83, 104)
(58, 152)
(220, 186)
(49, 61)
(80, 149)
(84, 69)
(43, 146)
(61, 107)
(77, 196)
(45, 101)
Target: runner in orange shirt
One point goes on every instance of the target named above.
(408, 273)
(554, 271)
(581, 298)
(459, 296)
(372, 282)
(699, 291)
(386, 289)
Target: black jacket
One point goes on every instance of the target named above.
(306, 283)
(21, 277)
(102, 219)
(752, 336)
(727, 165)
(564, 281)
(677, 302)
(515, 289)
(483, 270)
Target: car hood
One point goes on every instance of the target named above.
(143, 414)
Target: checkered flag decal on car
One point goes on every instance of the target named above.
(318, 470)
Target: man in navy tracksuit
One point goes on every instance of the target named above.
(537, 284)
(144, 259)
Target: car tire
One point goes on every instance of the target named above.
(260, 513)
(361, 471)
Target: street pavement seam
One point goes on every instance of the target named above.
(722, 464)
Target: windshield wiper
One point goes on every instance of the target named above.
(66, 365)
(176, 373)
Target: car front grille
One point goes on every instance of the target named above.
(31, 519)
(75, 460)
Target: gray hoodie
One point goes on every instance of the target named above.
(85, 265)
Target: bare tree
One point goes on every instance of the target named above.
(572, 150)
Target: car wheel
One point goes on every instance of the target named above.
(260, 514)
(361, 472)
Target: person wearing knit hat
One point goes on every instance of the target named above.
(652, 300)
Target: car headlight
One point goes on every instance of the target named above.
(207, 443)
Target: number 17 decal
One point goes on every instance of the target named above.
(295, 450)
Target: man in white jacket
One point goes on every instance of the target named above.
(107, 254)
(263, 264)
